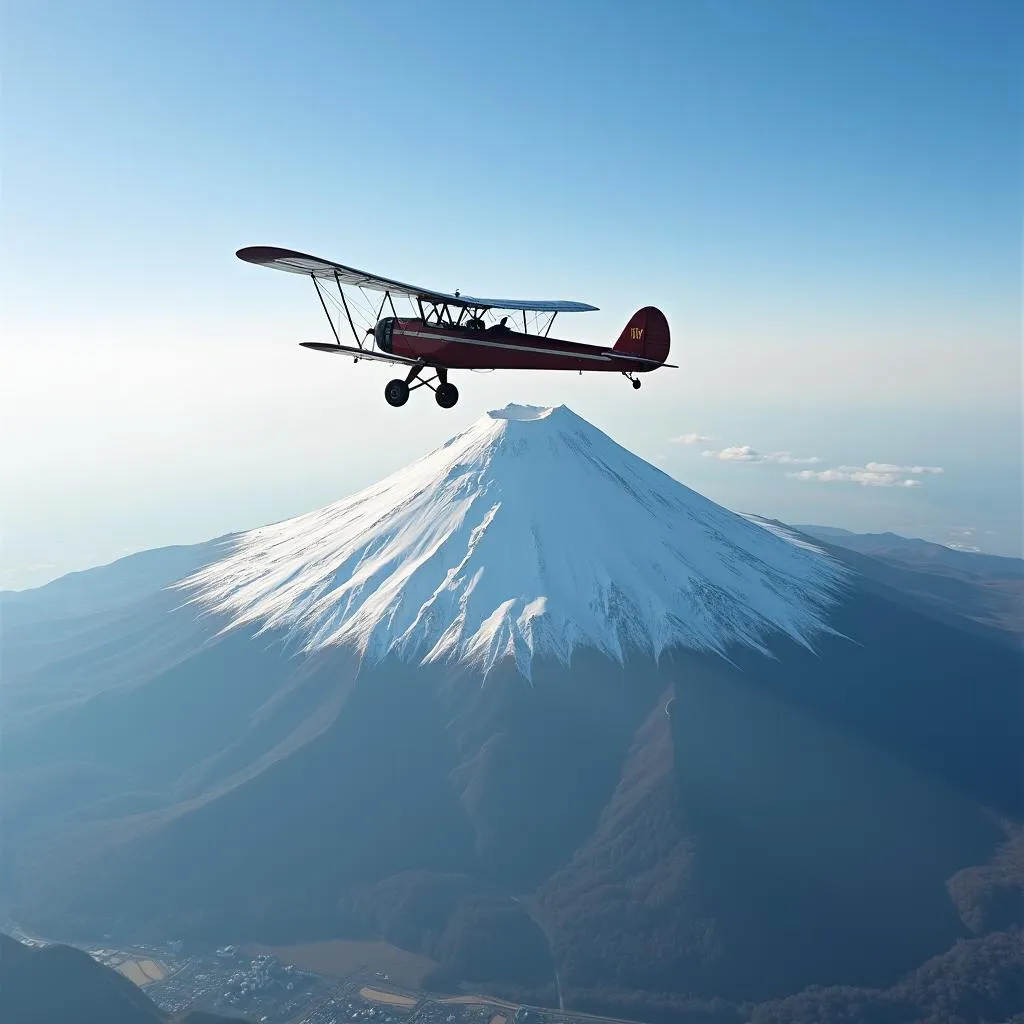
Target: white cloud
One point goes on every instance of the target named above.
(691, 439)
(738, 453)
(873, 474)
(888, 467)
(744, 453)
(789, 459)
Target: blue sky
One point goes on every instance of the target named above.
(824, 198)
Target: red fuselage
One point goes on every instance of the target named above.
(497, 348)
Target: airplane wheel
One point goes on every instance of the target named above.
(446, 395)
(396, 392)
(636, 384)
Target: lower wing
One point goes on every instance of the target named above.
(361, 353)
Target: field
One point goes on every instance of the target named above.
(391, 998)
(341, 957)
(141, 972)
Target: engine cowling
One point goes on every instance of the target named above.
(382, 333)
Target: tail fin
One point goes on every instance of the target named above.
(646, 335)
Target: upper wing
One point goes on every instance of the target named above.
(300, 263)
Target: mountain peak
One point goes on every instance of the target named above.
(510, 541)
(512, 411)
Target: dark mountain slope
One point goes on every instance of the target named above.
(270, 856)
(635, 875)
(89, 773)
(832, 792)
(978, 980)
(538, 761)
(477, 932)
(942, 700)
(838, 789)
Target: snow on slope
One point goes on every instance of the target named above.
(531, 533)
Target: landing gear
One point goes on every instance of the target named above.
(629, 376)
(396, 392)
(636, 384)
(446, 395)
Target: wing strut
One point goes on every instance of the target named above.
(344, 305)
(341, 292)
(320, 296)
(387, 300)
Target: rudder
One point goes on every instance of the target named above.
(646, 335)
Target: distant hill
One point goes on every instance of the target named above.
(914, 549)
(64, 985)
(117, 583)
(987, 590)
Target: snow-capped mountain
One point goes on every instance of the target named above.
(819, 751)
(530, 534)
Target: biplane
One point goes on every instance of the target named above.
(451, 331)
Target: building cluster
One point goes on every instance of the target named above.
(264, 990)
(261, 988)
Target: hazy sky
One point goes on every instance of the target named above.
(825, 199)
